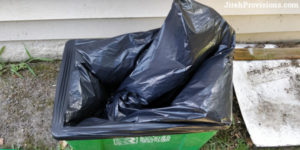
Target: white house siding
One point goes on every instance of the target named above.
(43, 26)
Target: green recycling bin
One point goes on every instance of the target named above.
(192, 141)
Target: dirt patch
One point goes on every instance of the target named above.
(295, 82)
(287, 44)
(266, 68)
(279, 114)
(295, 63)
(278, 44)
(26, 107)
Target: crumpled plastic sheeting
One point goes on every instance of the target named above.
(187, 38)
(175, 79)
(87, 94)
(100, 66)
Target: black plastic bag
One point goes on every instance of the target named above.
(176, 79)
(99, 67)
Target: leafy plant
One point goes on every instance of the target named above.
(15, 68)
(242, 145)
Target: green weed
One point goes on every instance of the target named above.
(242, 145)
(15, 68)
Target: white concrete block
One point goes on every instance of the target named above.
(15, 50)
(269, 98)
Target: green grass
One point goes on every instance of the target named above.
(236, 137)
(15, 68)
(242, 145)
(221, 142)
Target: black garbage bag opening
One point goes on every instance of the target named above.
(175, 79)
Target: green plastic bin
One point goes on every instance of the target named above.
(192, 141)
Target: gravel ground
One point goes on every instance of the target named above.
(26, 107)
